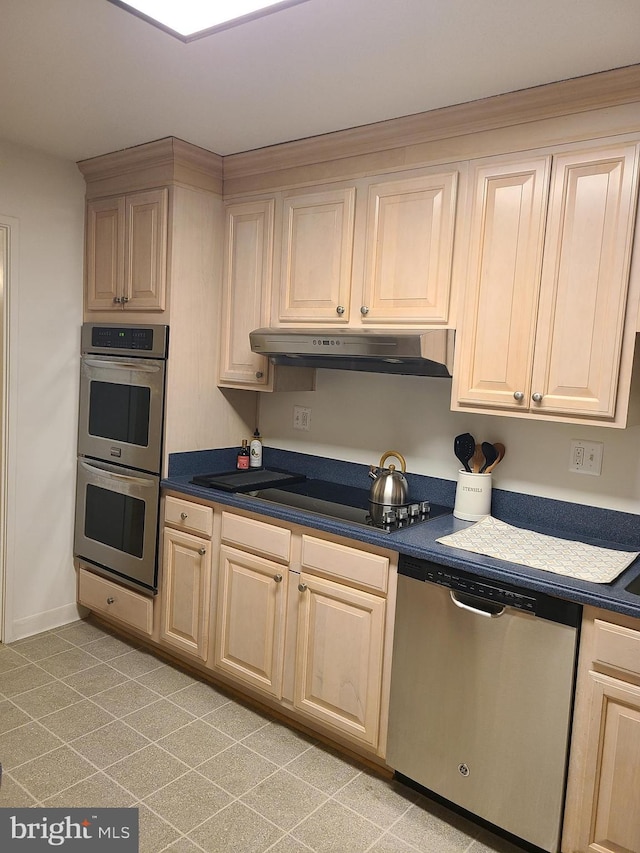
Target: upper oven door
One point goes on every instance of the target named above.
(122, 410)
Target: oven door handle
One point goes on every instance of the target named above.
(139, 481)
(128, 365)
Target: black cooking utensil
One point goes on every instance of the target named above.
(490, 455)
(464, 446)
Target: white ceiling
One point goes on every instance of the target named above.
(83, 77)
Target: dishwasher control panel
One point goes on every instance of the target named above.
(540, 604)
(482, 590)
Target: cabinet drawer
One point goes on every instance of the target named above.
(344, 563)
(188, 516)
(117, 602)
(265, 539)
(617, 646)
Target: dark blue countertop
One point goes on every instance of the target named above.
(605, 528)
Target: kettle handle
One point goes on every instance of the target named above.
(397, 455)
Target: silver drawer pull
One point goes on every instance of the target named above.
(202, 551)
(278, 578)
(518, 395)
(302, 587)
(537, 397)
(183, 516)
(111, 600)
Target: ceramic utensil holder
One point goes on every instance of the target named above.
(473, 496)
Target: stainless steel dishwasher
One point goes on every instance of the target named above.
(481, 694)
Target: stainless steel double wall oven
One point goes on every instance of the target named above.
(120, 433)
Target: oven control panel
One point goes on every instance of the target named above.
(150, 341)
(122, 337)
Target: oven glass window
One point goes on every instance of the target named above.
(120, 412)
(114, 519)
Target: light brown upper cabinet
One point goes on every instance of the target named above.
(376, 253)
(246, 301)
(409, 248)
(126, 251)
(248, 265)
(544, 328)
(316, 257)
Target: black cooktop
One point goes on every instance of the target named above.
(348, 503)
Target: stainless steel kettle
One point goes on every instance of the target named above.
(389, 487)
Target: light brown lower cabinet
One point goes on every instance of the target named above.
(339, 657)
(186, 592)
(305, 621)
(249, 628)
(603, 795)
(186, 576)
(114, 601)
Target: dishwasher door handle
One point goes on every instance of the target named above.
(493, 613)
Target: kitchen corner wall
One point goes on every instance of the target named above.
(44, 197)
(358, 416)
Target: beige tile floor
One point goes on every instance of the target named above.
(88, 719)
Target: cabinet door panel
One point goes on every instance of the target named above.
(409, 250)
(612, 791)
(496, 339)
(186, 592)
(584, 281)
(338, 678)
(105, 253)
(250, 625)
(146, 250)
(317, 250)
(247, 290)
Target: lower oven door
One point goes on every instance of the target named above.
(117, 521)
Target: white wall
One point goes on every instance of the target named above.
(358, 416)
(45, 196)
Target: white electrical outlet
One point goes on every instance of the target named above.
(301, 418)
(586, 457)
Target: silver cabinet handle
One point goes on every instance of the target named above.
(278, 578)
(302, 587)
(202, 551)
(110, 600)
(125, 299)
(537, 397)
(117, 299)
(340, 310)
(183, 516)
(364, 310)
(518, 395)
(259, 374)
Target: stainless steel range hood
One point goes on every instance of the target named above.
(426, 353)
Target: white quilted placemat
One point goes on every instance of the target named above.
(494, 538)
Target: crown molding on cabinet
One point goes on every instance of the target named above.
(159, 163)
(585, 107)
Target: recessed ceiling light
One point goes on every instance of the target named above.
(193, 19)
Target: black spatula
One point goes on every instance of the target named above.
(464, 446)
